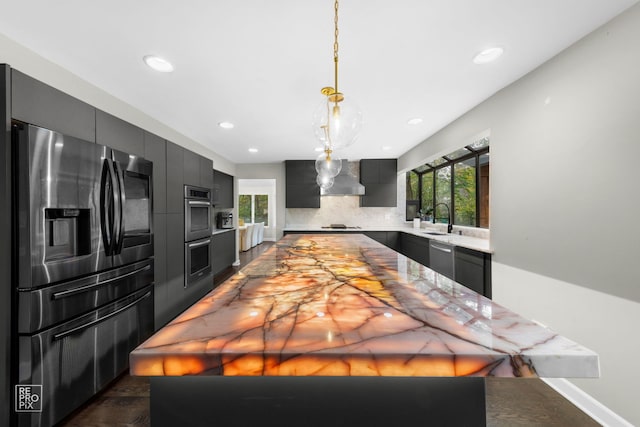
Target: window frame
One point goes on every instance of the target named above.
(252, 197)
(474, 154)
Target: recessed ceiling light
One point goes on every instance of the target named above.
(414, 121)
(488, 55)
(158, 64)
(226, 125)
(253, 150)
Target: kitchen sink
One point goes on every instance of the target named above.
(434, 233)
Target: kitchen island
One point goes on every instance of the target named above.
(341, 330)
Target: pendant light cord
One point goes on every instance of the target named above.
(335, 45)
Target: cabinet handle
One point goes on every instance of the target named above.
(440, 248)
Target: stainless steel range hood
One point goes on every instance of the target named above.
(346, 183)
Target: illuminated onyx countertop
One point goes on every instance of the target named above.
(345, 305)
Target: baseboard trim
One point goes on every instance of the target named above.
(590, 406)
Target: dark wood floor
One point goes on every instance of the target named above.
(510, 402)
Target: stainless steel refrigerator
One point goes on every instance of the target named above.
(83, 253)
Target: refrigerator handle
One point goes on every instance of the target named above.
(119, 194)
(106, 206)
(77, 329)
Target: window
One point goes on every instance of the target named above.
(464, 195)
(413, 196)
(254, 208)
(452, 188)
(426, 194)
(443, 195)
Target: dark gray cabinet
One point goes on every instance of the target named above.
(388, 238)
(222, 190)
(155, 150)
(206, 173)
(302, 191)
(42, 105)
(379, 177)
(414, 247)
(175, 264)
(175, 186)
(116, 133)
(224, 251)
(191, 168)
(160, 289)
(473, 269)
(197, 170)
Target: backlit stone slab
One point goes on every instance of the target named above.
(345, 305)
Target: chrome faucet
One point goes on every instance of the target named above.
(449, 225)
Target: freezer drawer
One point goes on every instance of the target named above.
(45, 307)
(74, 360)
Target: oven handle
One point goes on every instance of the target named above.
(198, 244)
(197, 202)
(101, 319)
(69, 292)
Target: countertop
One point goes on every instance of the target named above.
(330, 305)
(475, 243)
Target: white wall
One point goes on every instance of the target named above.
(28, 62)
(565, 144)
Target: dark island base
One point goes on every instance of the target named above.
(317, 401)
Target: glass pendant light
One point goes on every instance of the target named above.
(338, 120)
(337, 123)
(328, 164)
(324, 181)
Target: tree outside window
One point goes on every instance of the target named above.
(254, 208)
(443, 194)
(261, 212)
(464, 184)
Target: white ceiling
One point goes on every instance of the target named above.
(261, 64)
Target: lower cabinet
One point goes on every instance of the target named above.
(224, 251)
(414, 247)
(473, 269)
(388, 238)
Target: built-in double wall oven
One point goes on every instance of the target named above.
(197, 233)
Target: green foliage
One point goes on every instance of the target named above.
(244, 207)
(465, 194)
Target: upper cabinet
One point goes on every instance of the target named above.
(191, 168)
(302, 191)
(379, 177)
(116, 133)
(39, 104)
(175, 185)
(197, 170)
(222, 190)
(206, 173)
(155, 150)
